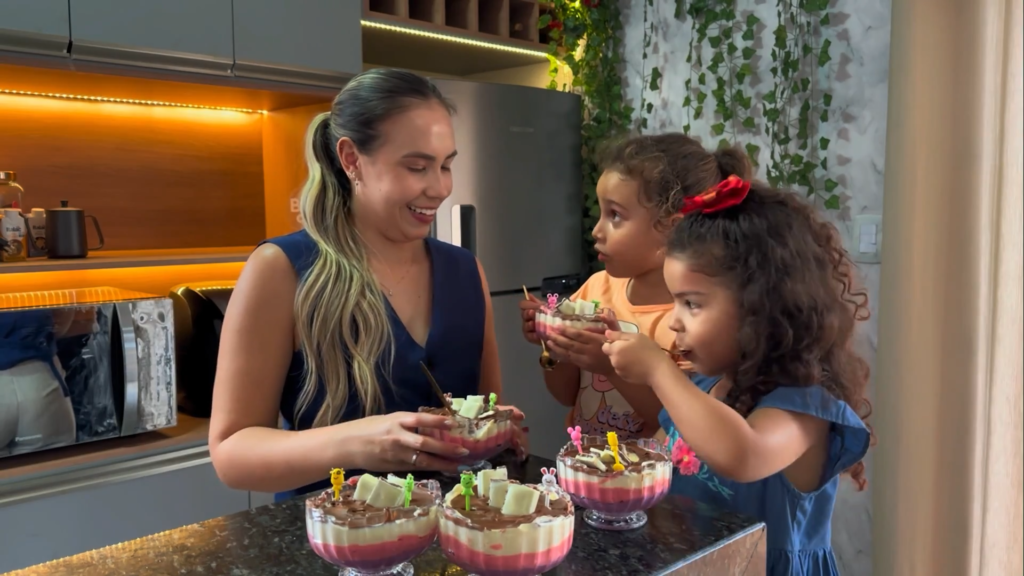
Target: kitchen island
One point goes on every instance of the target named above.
(681, 537)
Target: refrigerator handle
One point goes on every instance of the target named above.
(464, 226)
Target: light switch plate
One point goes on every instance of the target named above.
(865, 245)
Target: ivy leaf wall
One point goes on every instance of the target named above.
(706, 67)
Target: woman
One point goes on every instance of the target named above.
(327, 326)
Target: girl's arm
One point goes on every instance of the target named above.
(257, 341)
(490, 367)
(768, 441)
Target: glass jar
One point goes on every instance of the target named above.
(10, 191)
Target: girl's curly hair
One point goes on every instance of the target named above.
(794, 284)
(671, 167)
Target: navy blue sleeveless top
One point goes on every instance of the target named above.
(453, 348)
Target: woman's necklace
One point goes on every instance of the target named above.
(391, 276)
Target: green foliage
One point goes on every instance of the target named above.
(586, 36)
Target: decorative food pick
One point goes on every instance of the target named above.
(552, 300)
(549, 484)
(407, 489)
(577, 437)
(613, 443)
(597, 304)
(684, 458)
(492, 400)
(466, 481)
(337, 479)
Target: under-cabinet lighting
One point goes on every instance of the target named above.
(453, 39)
(104, 99)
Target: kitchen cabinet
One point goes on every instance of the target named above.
(183, 35)
(82, 510)
(35, 26)
(313, 42)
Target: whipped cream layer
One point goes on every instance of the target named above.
(488, 543)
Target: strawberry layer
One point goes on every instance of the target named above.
(372, 557)
(523, 564)
(615, 500)
(545, 324)
(479, 448)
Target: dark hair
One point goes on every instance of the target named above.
(671, 167)
(794, 284)
(343, 325)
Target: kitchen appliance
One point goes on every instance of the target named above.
(517, 203)
(65, 232)
(84, 365)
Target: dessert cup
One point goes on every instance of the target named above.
(568, 314)
(485, 436)
(485, 542)
(616, 500)
(364, 540)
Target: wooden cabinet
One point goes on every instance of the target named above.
(35, 26)
(301, 41)
(183, 35)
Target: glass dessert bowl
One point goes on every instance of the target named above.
(372, 527)
(579, 314)
(503, 528)
(615, 499)
(481, 428)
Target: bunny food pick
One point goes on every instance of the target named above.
(549, 485)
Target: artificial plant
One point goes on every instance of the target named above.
(586, 36)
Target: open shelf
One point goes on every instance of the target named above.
(107, 259)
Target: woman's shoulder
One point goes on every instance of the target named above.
(299, 247)
(453, 260)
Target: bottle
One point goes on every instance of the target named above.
(37, 233)
(10, 190)
(14, 231)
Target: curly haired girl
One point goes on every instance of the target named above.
(765, 312)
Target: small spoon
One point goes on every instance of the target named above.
(546, 361)
(437, 389)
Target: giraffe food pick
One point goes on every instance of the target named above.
(613, 443)
(407, 489)
(491, 401)
(337, 479)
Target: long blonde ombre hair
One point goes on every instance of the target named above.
(341, 316)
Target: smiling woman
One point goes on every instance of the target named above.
(327, 326)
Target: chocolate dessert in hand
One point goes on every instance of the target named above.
(480, 427)
(615, 481)
(493, 526)
(372, 525)
(578, 314)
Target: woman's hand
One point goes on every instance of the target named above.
(635, 357)
(520, 433)
(583, 347)
(390, 442)
(528, 310)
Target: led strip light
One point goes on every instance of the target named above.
(78, 97)
(453, 39)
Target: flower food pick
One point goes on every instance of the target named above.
(613, 443)
(466, 481)
(337, 479)
(492, 400)
(407, 489)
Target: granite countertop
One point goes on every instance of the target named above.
(681, 537)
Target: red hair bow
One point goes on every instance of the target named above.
(725, 194)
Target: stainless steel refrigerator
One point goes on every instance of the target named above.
(517, 204)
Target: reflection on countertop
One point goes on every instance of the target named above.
(681, 537)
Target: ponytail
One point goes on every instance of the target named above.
(342, 321)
